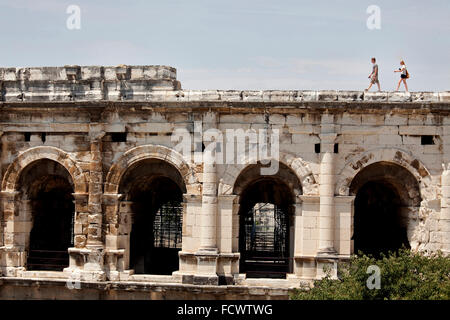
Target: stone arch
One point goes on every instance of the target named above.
(129, 185)
(266, 205)
(393, 155)
(12, 174)
(297, 165)
(418, 235)
(134, 155)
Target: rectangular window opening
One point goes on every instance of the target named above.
(27, 136)
(119, 137)
(426, 140)
(336, 148)
(317, 147)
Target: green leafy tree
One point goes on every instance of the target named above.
(404, 275)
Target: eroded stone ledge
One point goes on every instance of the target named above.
(159, 84)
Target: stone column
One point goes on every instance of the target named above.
(326, 190)
(92, 255)
(208, 253)
(444, 221)
(94, 239)
(208, 240)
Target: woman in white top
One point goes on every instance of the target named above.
(403, 75)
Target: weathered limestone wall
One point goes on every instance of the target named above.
(80, 108)
(75, 83)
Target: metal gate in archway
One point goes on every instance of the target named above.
(264, 242)
(156, 251)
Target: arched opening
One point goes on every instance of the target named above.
(155, 189)
(385, 195)
(47, 199)
(266, 213)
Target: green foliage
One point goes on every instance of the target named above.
(404, 276)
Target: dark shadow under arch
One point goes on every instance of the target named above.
(266, 210)
(155, 189)
(48, 187)
(384, 192)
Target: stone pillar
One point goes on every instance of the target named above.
(94, 239)
(208, 252)
(208, 240)
(326, 189)
(87, 262)
(2, 262)
(298, 234)
(307, 236)
(192, 210)
(344, 225)
(444, 221)
(326, 252)
(16, 232)
(117, 238)
(76, 257)
(81, 219)
(228, 233)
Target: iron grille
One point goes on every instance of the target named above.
(167, 226)
(266, 249)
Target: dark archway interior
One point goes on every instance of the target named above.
(47, 185)
(378, 227)
(265, 211)
(382, 190)
(156, 190)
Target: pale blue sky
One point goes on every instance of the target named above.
(238, 44)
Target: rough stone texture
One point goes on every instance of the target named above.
(78, 108)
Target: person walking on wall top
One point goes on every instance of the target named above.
(374, 75)
(403, 76)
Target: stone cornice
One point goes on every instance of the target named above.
(226, 107)
(143, 92)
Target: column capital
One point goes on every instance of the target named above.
(192, 198)
(96, 131)
(9, 194)
(210, 117)
(112, 196)
(228, 197)
(309, 199)
(344, 199)
(329, 137)
(80, 195)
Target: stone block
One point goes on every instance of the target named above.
(444, 96)
(375, 96)
(417, 130)
(399, 97)
(389, 139)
